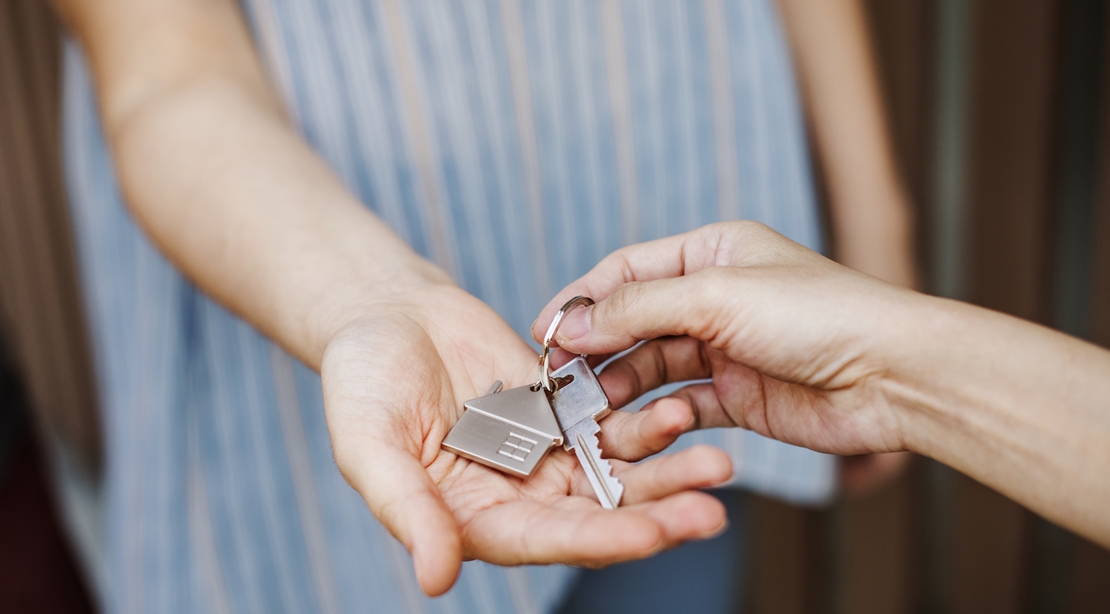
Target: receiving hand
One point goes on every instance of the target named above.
(793, 342)
(395, 380)
(812, 353)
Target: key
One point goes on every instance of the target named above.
(579, 402)
(511, 431)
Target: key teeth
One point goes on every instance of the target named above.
(604, 470)
(604, 465)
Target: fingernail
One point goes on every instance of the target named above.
(719, 530)
(575, 324)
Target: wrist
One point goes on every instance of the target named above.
(952, 362)
(401, 287)
(916, 365)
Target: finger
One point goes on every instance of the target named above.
(654, 364)
(577, 531)
(560, 357)
(701, 466)
(706, 406)
(697, 305)
(651, 260)
(686, 516)
(631, 436)
(597, 360)
(737, 243)
(402, 495)
(678, 359)
(570, 530)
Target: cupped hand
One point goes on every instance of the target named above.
(395, 379)
(795, 345)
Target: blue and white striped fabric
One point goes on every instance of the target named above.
(514, 142)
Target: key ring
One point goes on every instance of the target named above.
(545, 354)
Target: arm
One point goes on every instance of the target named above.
(871, 223)
(812, 353)
(870, 216)
(214, 172)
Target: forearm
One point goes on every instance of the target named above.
(218, 178)
(253, 216)
(1019, 407)
(871, 222)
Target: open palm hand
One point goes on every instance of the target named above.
(395, 380)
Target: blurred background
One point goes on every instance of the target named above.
(1002, 124)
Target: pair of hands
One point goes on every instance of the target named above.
(786, 336)
(394, 384)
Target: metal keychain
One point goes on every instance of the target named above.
(514, 430)
(578, 404)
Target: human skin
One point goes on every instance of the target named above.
(216, 175)
(812, 353)
(870, 222)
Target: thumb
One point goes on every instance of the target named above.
(404, 498)
(687, 305)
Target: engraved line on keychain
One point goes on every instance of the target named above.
(522, 443)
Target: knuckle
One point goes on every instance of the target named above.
(619, 261)
(622, 301)
(709, 298)
(743, 230)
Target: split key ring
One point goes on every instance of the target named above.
(545, 353)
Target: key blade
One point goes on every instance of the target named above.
(608, 488)
(495, 388)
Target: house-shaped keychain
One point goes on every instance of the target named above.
(511, 431)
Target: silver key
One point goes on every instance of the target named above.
(579, 404)
(511, 431)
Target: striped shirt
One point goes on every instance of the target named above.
(513, 142)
